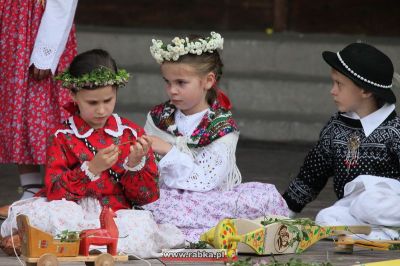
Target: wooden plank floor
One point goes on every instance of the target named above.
(265, 162)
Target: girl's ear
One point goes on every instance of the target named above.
(210, 80)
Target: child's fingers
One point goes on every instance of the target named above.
(112, 158)
(110, 149)
(139, 148)
(146, 143)
(148, 139)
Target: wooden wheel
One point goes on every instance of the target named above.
(47, 260)
(104, 260)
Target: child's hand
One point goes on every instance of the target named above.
(138, 150)
(104, 159)
(160, 146)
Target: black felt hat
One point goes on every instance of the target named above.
(366, 66)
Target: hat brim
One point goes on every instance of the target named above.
(385, 94)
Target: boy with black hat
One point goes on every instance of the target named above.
(359, 146)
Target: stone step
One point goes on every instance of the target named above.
(243, 52)
(270, 93)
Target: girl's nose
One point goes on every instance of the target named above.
(100, 109)
(334, 91)
(172, 89)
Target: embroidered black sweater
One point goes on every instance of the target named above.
(379, 155)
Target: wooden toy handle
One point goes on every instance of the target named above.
(353, 229)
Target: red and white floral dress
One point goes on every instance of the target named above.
(43, 35)
(74, 200)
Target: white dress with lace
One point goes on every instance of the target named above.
(200, 186)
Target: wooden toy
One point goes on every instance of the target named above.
(41, 249)
(106, 235)
(345, 244)
(275, 235)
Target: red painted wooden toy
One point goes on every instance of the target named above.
(106, 235)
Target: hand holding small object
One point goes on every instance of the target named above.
(104, 159)
(138, 150)
(160, 146)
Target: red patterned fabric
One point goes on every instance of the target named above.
(67, 151)
(223, 100)
(29, 110)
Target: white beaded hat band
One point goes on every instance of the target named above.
(366, 66)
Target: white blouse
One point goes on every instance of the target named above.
(53, 33)
(196, 169)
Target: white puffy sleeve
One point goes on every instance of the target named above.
(53, 33)
(208, 168)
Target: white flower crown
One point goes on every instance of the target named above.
(179, 47)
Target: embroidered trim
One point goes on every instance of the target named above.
(137, 167)
(63, 131)
(75, 130)
(118, 133)
(216, 123)
(85, 169)
(120, 127)
(361, 77)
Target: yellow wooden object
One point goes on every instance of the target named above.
(255, 240)
(223, 236)
(316, 233)
(35, 242)
(381, 263)
(345, 244)
(280, 237)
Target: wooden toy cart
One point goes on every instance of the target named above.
(41, 249)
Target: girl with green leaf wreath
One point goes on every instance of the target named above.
(96, 159)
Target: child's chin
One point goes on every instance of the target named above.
(342, 109)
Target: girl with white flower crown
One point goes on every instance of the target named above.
(195, 136)
(97, 159)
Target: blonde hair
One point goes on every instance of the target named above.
(204, 64)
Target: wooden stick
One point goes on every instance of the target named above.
(123, 143)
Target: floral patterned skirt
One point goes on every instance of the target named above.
(196, 212)
(29, 110)
(139, 234)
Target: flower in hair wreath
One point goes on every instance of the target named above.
(167, 52)
(99, 77)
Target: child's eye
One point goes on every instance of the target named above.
(92, 103)
(182, 82)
